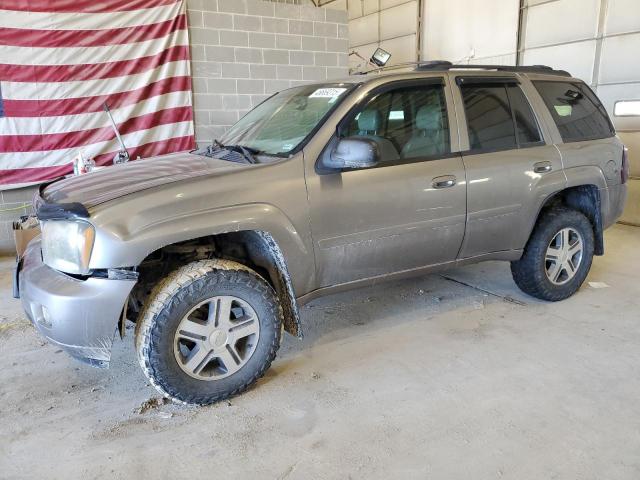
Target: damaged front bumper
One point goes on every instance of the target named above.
(79, 316)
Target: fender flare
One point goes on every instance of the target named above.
(118, 246)
(589, 181)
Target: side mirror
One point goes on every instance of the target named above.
(354, 152)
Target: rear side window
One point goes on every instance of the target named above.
(577, 112)
(527, 131)
(499, 116)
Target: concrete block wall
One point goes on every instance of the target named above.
(242, 51)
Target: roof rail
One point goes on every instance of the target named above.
(444, 65)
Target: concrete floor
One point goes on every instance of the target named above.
(427, 378)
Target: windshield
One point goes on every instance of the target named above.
(282, 122)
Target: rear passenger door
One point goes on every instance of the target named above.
(510, 165)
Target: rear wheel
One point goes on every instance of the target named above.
(208, 332)
(557, 257)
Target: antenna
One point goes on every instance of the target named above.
(123, 155)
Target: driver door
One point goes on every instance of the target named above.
(404, 214)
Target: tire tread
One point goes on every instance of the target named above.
(174, 288)
(525, 271)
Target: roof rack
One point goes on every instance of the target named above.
(444, 65)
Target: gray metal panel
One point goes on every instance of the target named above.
(562, 21)
(576, 58)
(622, 16)
(617, 64)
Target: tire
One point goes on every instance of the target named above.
(163, 350)
(530, 273)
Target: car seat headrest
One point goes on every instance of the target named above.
(429, 117)
(369, 120)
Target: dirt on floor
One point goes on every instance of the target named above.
(448, 376)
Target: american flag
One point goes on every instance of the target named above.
(61, 60)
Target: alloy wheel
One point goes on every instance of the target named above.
(216, 338)
(564, 256)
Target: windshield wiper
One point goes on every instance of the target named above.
(247, 152)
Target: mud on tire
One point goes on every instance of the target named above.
(174, 298)
(530, 272)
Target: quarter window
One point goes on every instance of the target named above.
(576, 111)
(407, 123)
(499, 117)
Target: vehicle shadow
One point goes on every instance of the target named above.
(348, 316)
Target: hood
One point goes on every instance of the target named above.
(118, 180)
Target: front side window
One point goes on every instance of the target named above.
(576, 111)
(282, 122)
(499, 117)
(407, 123)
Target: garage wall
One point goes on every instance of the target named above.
(390, 24)
(595, 40)
(242, 51)
(470, 31)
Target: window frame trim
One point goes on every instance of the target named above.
(374, 93)
(470, 80)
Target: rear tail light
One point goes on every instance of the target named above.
(624, 172)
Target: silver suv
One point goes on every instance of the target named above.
(318, 189)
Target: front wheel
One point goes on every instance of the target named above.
(557, 257)
(208, 331)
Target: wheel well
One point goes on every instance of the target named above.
(254, 249)
(586, 200)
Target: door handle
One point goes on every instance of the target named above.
(445, 181)
(542, 167)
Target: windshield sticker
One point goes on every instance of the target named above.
(332, 93)
(287, 146)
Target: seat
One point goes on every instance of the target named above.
(369, 125)
(429, 138)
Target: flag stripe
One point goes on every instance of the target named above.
(91, 120)
(77, 106)
(62, 156)
(81, 6)
(60, 73)
(108, 18)
(41, 174)
(55, 141)
(61, 60)
(20, 37)
(73, 56)
(89, 88)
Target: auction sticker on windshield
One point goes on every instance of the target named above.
(331, 93)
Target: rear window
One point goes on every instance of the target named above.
(577, 112)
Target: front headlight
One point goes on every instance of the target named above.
(67, 245)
